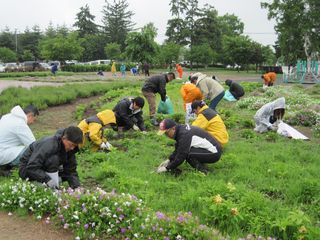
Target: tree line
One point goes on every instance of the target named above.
(194, 34)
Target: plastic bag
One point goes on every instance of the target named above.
(228, 96)
(165, 107)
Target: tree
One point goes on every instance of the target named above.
(27, 55)
(202, 54)
(61, 48)
(117, 21)
(7, 55)
(297, 25)
(94, 47)
(230, 25)
(29, 40)
(141, 46)
(112, 50)
(169, 52)
(85, 22)
(7, 39)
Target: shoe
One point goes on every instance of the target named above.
(197, 165)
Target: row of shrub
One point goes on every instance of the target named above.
(31, 74)
(95, 68)
(44, 96)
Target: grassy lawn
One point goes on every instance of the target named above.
(264, 184)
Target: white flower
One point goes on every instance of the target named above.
(77, 238)
(9, 213)
(136, 235)
(38, 217)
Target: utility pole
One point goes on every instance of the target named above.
(15, 31)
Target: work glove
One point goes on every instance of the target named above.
(164, 164)
(162, 169)
(135, 127)
(108, 146)
(103, 146)
(52, 184)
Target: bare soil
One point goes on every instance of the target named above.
(26, 228)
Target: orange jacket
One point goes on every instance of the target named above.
(269, 77)
(190, 93)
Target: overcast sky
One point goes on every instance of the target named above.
(18, 14)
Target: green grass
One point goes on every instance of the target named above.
(269, 185)
(10, 75)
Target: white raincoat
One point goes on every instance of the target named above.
(15, 135)
(263, 115)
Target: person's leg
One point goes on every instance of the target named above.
(216, 100)
(198, 156)
(151, 99)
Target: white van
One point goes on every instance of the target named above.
(99, 62)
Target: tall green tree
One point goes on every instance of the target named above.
(230, 25)
(117, 21)
(141, 46)
(201, 54)
(297, 25)
(61, 48)
(7, 55)
(94, 47)
(7, 39)
(85, 22)
(169, 52)
(112, 51)
(29, 41)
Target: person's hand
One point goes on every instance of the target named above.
(135, 127)
(108, 146)
(103, 146)
(165, 163)
(52, 184)
(162, 169)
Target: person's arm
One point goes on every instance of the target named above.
(201, 122)
(95, 133)
(25, 135)
(70, 173)
(162, 89)
(140, 121)
(180, 154)
(124, 116)
(43, 154)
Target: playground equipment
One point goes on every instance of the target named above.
(303, 72)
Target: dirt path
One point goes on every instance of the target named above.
(25, 228)
(25, 84)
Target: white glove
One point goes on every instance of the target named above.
(108, 146)
(103, 146)
(135, 127)
(273, 128)
(164, 164)
(161, 169)
(52, 184)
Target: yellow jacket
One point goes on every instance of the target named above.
(113, 68)
(190, 93)
(92, 126)
(209, 120)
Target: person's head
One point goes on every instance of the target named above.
(171, 76)
(193, 79)
(262, 76)
(138, 103)
(197, 105)
(228, 82)
(167, 127)
(278, 113)
(214, 77)
(31, 112)
(71, 138)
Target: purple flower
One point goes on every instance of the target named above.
(181, 219)
(119, 210)
(86, 226)
(121, 217)
(166, 238)
(160, 215)
(123, 230)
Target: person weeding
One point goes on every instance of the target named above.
(269, 79)
(193, 145)
(128, 114)
(153, 85)
(210, 121)
(16, 136)
(211, 89)
(235, 89)
(92, 129)
(52, 157)
(269, 116)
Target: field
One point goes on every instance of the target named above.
(264, 185)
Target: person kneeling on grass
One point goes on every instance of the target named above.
(52, 157)
(92, 129)
(193, 144)
(210, 121)
(270, 115)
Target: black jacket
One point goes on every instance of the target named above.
(183, 137)
(235, 89)
(47, 155)
(156, 84)
(126, 117)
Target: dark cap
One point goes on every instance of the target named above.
(139, 101)
(196, 104)
(165, 125)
